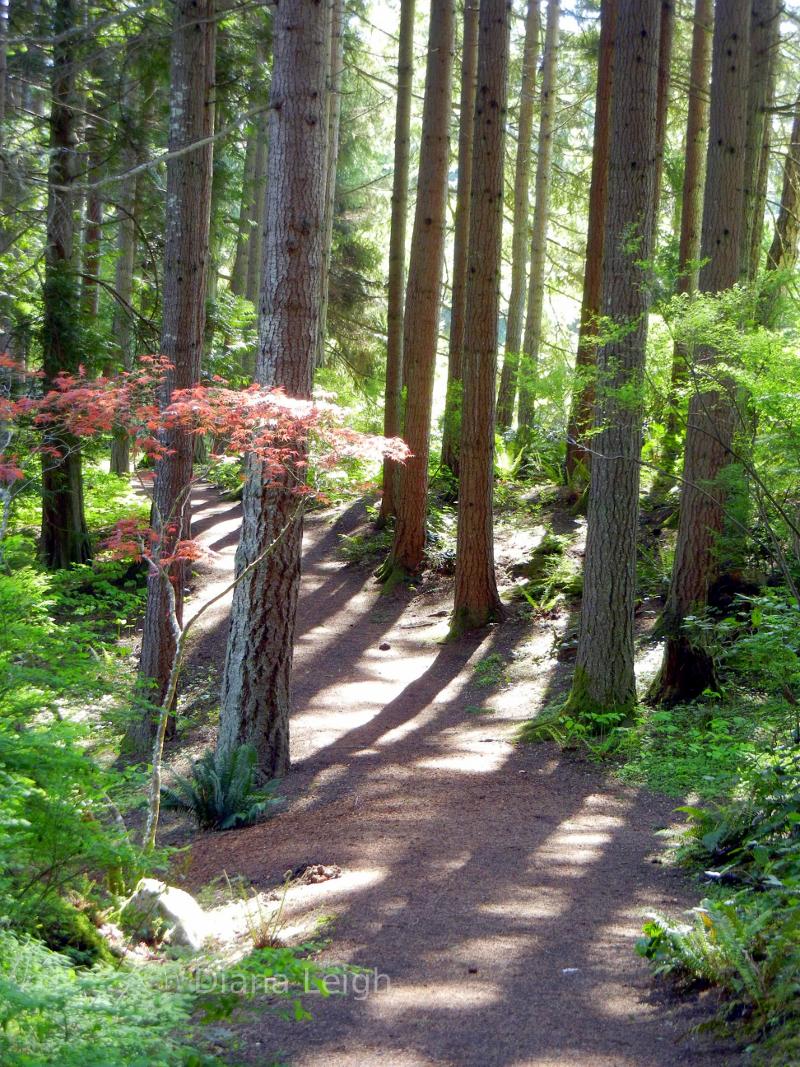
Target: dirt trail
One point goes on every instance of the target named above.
(499, 889)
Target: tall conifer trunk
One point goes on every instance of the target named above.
(423, 295)
(189, 176)
(65, 538)
(476, 599)
(258, 663)
(604, 674)
(393, 393)
(334, 112)
(687, 669)
(532, 340)
(691, 219)
(507, 390)
(581, 411)
(469, 75)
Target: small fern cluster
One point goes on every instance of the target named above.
(751, 952)
(221, 793)
(747, 944)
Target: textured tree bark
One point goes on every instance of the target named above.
(451, 432)
(255, 687)
(782, 254)
(687, 669)
(764, 25)
(604, 673)
(691, 220)
(243, 234)
(476, 599)
(541, 217)
(334, 109)
(65, 538)
(581, 410)
(423, 294)
(393, 394)
(189, 177)
(507, 390)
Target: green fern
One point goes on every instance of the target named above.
(221, 793)
(744, 946)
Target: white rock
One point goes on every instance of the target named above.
(156, 910)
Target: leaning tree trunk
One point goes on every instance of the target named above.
(334, 112)
(451, 430)
(507, 390)
(687, 669)
(476, 599)
(782, 254)
(691, 220)
(189, 177)
(541, 217)
(604, 673)
(578, 455)
(423, 295)
(65, 538)
(255, 687)
(392, 408)
(764, 24)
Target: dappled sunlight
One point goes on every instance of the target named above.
(465, 762)
(454, 997)
(538, 903)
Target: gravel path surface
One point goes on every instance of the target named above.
(496, 890)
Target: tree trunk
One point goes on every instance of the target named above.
(687, 669)
(691, 219)
(423, 294)
(581, 411)
(189, 177)
(133, 119)
(507, 391)
(604, 675)
(334, 106)
(392, 409)
(3, 79)
(244, 229)
(541, 216)
(255, 243)
(65, 537)
(123, 319)
(93, 227)
(255, 688)
(469, 76)
(666, 35)
(476, 599)
(764, 24)
(782, 255)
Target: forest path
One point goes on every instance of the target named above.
(496, 889)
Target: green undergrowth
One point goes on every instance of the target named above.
(734, 757)
(551, 576)
(169, 1014)
(67, 856)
